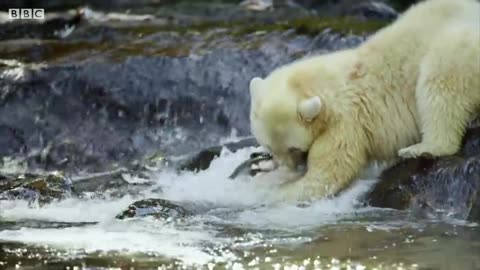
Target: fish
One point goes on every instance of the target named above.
(253, 165)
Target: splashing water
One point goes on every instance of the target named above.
(234, 229)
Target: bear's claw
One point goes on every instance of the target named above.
(415, 151)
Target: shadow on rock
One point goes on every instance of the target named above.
(446, 186)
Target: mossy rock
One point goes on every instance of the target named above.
(158, 208)
(311, 25)
(36, 188)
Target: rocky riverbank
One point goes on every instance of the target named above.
(106, 98)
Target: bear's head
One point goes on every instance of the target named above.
(284, 119)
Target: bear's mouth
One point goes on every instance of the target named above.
(260, 162)
(299, 159)
(253, 165)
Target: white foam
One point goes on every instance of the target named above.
(213, 185)
(69, 210)
(234, 202)
(288, 217)
(123, 236)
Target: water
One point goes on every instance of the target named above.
(234, 230)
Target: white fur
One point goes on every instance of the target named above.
(409, 90)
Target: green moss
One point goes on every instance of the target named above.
(315, 25)
(306, 26)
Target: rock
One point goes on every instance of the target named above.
(35, 188)
(54, 28)
(11, 141)
(447, 185)
(475, 210)
(371, 10)
(116, 184)
(48, 187)
(360, 9)
(398, 191)
(144, 105)
(68, 4)
(402, 4)
(201, 161)
(158, 208)
(143, 79)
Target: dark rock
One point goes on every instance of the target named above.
(116, 184)
(475, 210)
(398, 189)
(360, 9)
(50, 29)
(448, 185)
(402, 4)
(371, 10)
(115, 91)
(35, 188)
(471, 143)
(68, 4)
(58, 112)
(158, 208)
(48, 187)
(202, 160)
(11, 141)
(143, 105)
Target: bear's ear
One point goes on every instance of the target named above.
(255, 85)
(310, 108)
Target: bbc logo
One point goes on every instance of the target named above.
(26, 13)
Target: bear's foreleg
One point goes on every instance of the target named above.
(447, 94)
(333, 163)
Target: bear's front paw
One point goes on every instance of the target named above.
(415, 151)
(292, 192)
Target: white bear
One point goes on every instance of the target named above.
(409, 90)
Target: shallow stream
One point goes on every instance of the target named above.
(233, 231)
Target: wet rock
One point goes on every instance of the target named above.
(443, 186)
(11, 141)
(201, 161)
(48, 187)
(111, 184)
(158, 208)
(360, 9)
(54, 28)
(118, 90)
(35, 188)
(471, 142)
(56, 111)
(475, 210)
(371, 10)
(68, 4)
(402, 4)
